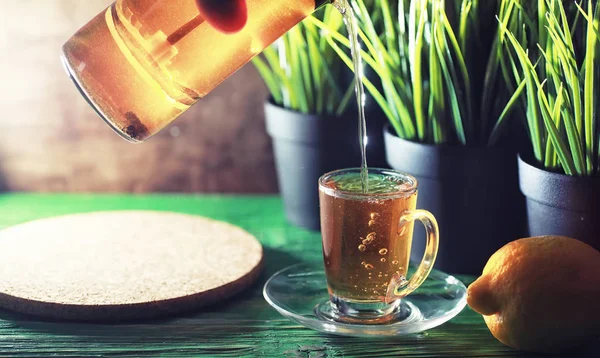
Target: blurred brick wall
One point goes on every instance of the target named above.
(51, 140)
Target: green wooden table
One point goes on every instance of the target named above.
(243, 326)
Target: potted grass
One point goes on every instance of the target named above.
(311, 115)
(557, 58)
(447, 94)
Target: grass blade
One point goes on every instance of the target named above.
(304, 68)
(269, 78)
(507, 110)
(416, 70)
(453, 97)
(558, 142)
(402, 39)
(466, 118)
(591, 45)
(464, 18)
(533, 110)
(436, 95)
(299, 95)
(390, 31)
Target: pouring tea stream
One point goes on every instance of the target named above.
(141, 64)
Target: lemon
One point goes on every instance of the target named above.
(540, 294)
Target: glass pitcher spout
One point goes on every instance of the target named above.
(141, 64)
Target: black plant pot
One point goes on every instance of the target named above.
(473, 193)
(559, 204)
(308, 146)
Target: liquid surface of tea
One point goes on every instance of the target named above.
(364, 248)
(348, 183)
(141, 63)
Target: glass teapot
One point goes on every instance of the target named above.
(141, 63)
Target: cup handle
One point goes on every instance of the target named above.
(400, 287)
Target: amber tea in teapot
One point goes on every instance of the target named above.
(141, 63)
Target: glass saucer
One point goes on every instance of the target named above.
(298, 291)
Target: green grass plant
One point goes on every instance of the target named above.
(555, 57)
(303, 73)
(440, 68)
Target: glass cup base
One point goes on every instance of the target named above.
(340, 310)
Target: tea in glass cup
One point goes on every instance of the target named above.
(367, 238)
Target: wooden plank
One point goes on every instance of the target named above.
(244, 326)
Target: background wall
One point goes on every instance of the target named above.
(51, 140)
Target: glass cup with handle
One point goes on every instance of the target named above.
(367, 240)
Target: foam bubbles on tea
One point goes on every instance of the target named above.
(373, 217)
(369, 238)
(378, 184)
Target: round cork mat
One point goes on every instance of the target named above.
(123, 265)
